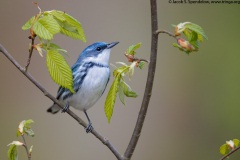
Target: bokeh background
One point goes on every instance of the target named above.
(195, 103)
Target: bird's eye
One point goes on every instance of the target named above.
(98, 49)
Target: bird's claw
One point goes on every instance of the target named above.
(89, 128)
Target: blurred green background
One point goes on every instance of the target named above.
(195, 103)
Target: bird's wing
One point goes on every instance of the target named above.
(79, 72)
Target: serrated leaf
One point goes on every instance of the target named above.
(53, 46)
(121, 70)
(141, 64)
(28, 24)
(132, 48)
(121, 94)
(188, 28)
(25, 128)
(46, 27)
(236, 142)
(224, 149)
(12, 152)
(111, 98)
(128, 91)
(58, 15)
(69, 25)
(196, 28)
(59, 70)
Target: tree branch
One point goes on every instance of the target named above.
(227, 155)
(47, 94)
(26, 147)
(30, 51)
(149, 84)
(166, 32)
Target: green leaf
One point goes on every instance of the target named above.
(28, 24)
(25, 128)
(141, 64)
(69, 25)
(121, 70)
(196, 28)
(128, 91)
(121, 94)
(59, 70)
(12, 152)
(58, 15)
(224, 149)
(132, 48)
(46, 27)
(236, 142)
(111, 98)
(53, 46)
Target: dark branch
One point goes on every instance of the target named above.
(47, 94)
(26, 148)
(30, 52)
(149, 84)
(227, 155)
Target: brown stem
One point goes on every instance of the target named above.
(47, 94)
(26, 147)
(149, 84)
(30, 52)
(166, 32)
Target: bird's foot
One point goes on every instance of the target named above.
(89, 128)
(66, 108)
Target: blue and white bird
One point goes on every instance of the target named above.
(91, 74)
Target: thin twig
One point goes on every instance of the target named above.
(166, 32)
(47, 94)
(227, 155)
(30, 52)
(149, 84)
(26, 147)
(131, 58)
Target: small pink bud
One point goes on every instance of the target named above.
(185, 44)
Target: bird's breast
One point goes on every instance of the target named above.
(91, 89)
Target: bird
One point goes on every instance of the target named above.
(91, 75)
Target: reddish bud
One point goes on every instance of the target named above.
(185, 44)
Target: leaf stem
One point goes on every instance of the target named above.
(47, 94)
(149, 84)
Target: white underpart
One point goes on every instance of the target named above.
(94, 83)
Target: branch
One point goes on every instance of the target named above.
(47, 94)
(26, 147)
(166, 32)
(30, 52)
(230, 153)
(149, 84)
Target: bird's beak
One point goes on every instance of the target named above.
(110, 45)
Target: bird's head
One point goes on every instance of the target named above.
(98, 52)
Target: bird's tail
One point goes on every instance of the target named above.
(53, 109)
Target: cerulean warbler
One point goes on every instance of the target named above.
(91, 74)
